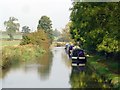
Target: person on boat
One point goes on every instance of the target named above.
(66, 45)
(70, 49)
(76, 46)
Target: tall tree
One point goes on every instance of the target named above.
(26, 29)
(12, 26)
(46, 24)
(95, 25)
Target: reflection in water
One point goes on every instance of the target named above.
(52, 70)
(42, 64)
(66, 59)
(14, 65)
(77, 77)
(0, 78)
(82, 77)
(46, 62)
(0, 73)
(28, 74)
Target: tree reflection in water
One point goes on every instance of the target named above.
(14, 65)
(66, 59)
(0, 73)
(81, 77)
(42, 64)
(45, 62)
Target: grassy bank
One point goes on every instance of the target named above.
(4, 43)
(9, 43)
(107, 69)
(16, 35)
(24, 53)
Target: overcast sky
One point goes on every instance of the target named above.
(28, 12)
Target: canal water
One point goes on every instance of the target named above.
(52, 70)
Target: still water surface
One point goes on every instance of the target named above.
(52, 70)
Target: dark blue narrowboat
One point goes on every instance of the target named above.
(78, 57)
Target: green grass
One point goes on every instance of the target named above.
(110, 63)
(25, 53)
(106, 69)
(5, 36)
(5, 42)
(9, 43)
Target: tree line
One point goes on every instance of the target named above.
(43, 34)
(96, 26)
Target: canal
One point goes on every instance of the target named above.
(52, 70)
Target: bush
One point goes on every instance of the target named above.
(39, 38)
(25, 40)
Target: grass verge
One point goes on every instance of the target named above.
(24, 53)
(105, 69)
(9, 43)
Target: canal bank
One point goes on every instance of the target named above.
(52, 70)
(104, 71)
(16, 54)
(48, 71)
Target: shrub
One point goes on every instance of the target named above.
(39, 38)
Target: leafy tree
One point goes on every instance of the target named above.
(95, 25)
(46, 24)
(111, 38)
(12, 26)
(26, 29)
(56, 33)
(65, 34)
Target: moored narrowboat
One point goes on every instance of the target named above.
(78, 57)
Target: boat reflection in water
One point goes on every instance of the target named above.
(77, 77)
(83, 77)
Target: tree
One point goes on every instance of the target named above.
(26, 29)
(65, 35)
(12, 26)
(56, 33)
(95, 25)
(46, 24)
